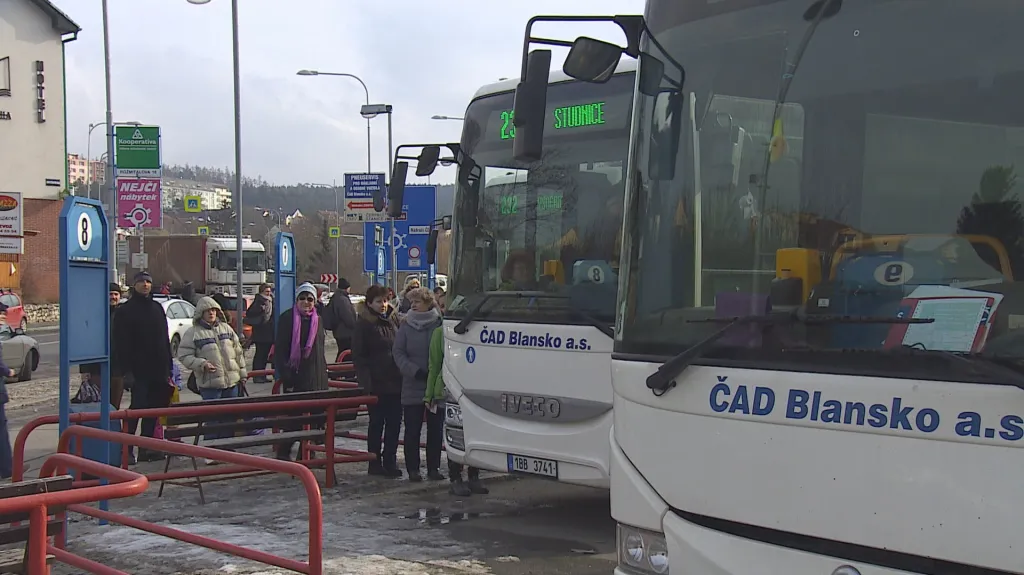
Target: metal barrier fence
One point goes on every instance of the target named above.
(124, 483)
(333, 405)
(314, 566)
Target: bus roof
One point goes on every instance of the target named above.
(626, 66)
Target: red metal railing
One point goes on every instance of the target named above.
(332, 405)
(124, 483)
(314, 566)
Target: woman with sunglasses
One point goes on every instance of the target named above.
(299, 350)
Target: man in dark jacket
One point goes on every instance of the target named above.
(6, 455)
(299, 350)
(372, 343)
(93, 369)
(144, 354)
(341, 316)
(260, 316)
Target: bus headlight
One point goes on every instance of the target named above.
(641, 550)
(452, 412)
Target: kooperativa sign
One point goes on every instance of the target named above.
(12, 230)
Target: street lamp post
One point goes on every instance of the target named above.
(110, 142)
(365, 89)
(239, 254)
(440, 117)
(372, 111)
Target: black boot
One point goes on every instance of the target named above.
(376, 468)
(459, 488)
(476, 487)
(392, 471)
(415, 477)
(435, 475)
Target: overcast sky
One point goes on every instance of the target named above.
(171, 66)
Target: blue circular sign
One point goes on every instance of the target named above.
(86, 233)
(470, 354)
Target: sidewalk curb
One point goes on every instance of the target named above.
(43, 328)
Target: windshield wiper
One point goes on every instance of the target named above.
(1003, 368)
(473, 312)
(663, 380)
(463, 325)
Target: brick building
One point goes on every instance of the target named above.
(33, 134)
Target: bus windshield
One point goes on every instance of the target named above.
(871, 175)
(551, 226)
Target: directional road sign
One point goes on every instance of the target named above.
(193, 204)
(359, 190)
(334, 232)
(204, 230)
(328, 278)
(411, 232)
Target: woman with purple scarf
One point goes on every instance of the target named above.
(299, 350)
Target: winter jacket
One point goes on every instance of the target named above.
(341, 317)
(435, 381)
(412, 353)
(261, 317)
(372, 343)
(143, 347)
(312, 372)
(217, 344)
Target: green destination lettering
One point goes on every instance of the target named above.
(578, 116)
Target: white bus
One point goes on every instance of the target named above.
(531, 305)
(845, 197)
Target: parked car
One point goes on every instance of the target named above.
(15, 309)
(179, 317)
(21, 352)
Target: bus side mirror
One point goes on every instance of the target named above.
(651, 72)
(379, 199)
(666, 129)
(446, 223)
(431, 247)
(426, 163)
(531, 101)
(396, 189)
(592, 60)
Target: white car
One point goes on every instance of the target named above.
(21, 352)
(179, 318)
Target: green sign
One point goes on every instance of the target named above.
(510, 205)
(334, 232)
(137, 150)
(193, 204)
(204, 230)
(564, 117)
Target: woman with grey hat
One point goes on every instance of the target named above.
(299, 350)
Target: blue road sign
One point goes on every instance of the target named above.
(411, 233)
(362, 186)
(284, 274)
(84, 255)
(381, 258)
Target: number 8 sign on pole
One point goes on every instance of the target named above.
(84, 228)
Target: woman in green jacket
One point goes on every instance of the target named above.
(435, 399)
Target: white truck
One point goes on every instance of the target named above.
(209, 263)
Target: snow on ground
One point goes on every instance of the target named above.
(371, 525)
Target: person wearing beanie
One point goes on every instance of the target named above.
(340, 316)
(299, 350)
(144, 354)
